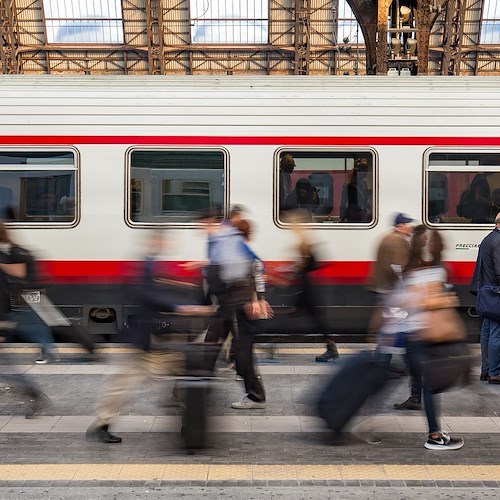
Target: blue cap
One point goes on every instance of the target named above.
(402, 219)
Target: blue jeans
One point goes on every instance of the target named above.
(490, 347)
(416, 356)
(30, 328)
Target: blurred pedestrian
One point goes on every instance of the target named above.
(152, 299)
(392, 254)
(18, 267)
(306, 264)
(418, 277)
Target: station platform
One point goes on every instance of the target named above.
(281, 451)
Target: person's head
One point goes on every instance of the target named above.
(403, 224)
(287, 163)
(417, 245)
(436, 246)
(236, 214)
(245, 228)
(360, 170)
(497, 220)
(304, 190)
(155, 242)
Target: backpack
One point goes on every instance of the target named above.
(465, 206)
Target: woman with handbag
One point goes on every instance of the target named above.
(426, 336)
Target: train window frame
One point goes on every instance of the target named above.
(328, 224)
(75, 167)
(427, 169)
(173, 225)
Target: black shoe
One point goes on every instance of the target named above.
(330, 354)
(101, 434)
(409, 404)
(484, 377)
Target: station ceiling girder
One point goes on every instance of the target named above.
(302, 38)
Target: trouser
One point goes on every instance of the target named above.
(129, 378)
(416, 356)
(490, 347)
(243, 350)
(30, 328)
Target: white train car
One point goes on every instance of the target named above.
(88, 163)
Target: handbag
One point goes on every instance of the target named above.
(488, 302)
(446, 365)
(443, 326)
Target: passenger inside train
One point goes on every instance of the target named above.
(357, 195)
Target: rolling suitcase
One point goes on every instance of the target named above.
(195, 388)
(360, 377)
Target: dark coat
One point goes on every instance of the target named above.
(487, 270)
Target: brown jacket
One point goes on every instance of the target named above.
(393, 249)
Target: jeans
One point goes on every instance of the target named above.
(30, 328)
(490, 347)
(416, 356)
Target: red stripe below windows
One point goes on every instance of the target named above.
(330, 273)
(67, 140)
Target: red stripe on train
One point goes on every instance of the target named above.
(60, 140)
(330, 273)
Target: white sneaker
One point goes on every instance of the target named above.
(444, 442)
(248, 404)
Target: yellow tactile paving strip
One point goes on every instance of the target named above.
(242, 472)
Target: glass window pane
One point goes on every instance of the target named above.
(84, 21)
(37, 186)
(332, 187)
(229, 21)
(175, 186)
(468, 196)
(490, 25)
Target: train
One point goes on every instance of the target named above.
(89, 164)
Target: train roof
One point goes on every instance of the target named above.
(272, 105)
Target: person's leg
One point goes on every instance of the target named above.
(494, 350)
(112, 399)
(245, 362)
(431, 409)
(485, 339)
(413, 359)
(31, 328)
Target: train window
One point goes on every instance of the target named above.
(174, 186)
(333, 186)
(462, 187)
(38, 186)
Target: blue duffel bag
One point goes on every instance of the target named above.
(488, 302)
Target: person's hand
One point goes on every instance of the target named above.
(195, 310)
(193, 265)
(265, 310)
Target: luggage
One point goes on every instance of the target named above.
(446, 365)
(195, 389)
(360, 377)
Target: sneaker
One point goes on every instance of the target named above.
(410, 404)
(43, 359)
(330, 354)
(444, 442)
(248, 404)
